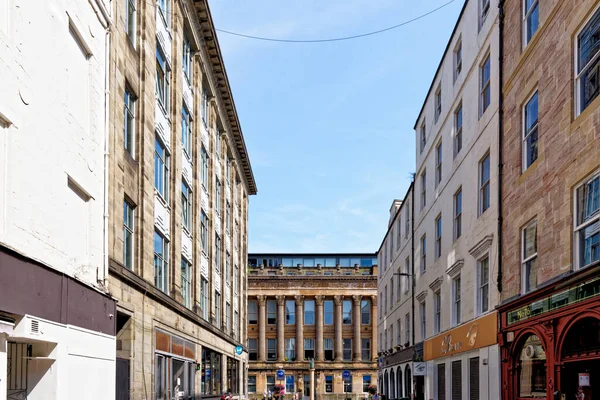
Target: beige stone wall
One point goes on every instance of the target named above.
(568, 144)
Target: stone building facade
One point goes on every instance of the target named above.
(550, 313)
(312, 306)
(179, 177)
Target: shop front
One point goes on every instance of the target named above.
(395, 374)
(464, 362)
(550, 341)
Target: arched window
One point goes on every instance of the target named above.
(399, 381)
(532, 369)
(392, 385)
(583, 338)
(385, 384)
(407, 382)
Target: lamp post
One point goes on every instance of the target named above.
(312, 378)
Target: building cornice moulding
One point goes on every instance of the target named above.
(455, 268)
(436, 284)
(484, 245)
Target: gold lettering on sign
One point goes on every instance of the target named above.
(448, 346)
(472, 334)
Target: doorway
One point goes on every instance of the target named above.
(420, 389)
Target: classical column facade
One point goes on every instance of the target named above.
(338, 327)
(320, 352)
(356, 324)
(280, 328)
(262, 327)
(374, 348)
(299, 327)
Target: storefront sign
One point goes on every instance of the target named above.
(420, 369)
(575, 294)
(584, 379)
(239, 350)
(476, 334)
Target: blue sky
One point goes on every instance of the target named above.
(329, 126)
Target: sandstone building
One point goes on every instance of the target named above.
(550, 313)
(320, 307)
(179, 181)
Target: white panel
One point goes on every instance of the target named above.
(162, 125)
(163, 35)
(227, 292)
(188, 94)
(204, 201)
(218, 171)
(217, 222)
(217, 282)
(161, 216)
(228, 243)
(186, 245)
(186, 168)
(204, 266)
(228, 192)
(204, 134)
(235, 303)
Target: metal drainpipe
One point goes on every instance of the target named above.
(500, 134)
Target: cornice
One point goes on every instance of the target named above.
(455, 268)
(480, 248)
(436, 284)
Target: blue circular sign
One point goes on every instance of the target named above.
(280, 374)
(346, 374)
(238, 350)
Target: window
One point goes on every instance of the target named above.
(484, 184)
(423, 312)
(485, 8)
(218, 310)
(438, 237)
(217, 196)
(328, 312)
(456, 300)
(236, 318)
(407, 219)
(218, 253)
(391, 292)
(437, 312)
(529, 258)
(458, 214)
(366, 383)
(309, 312)
(204, 168)
(161, 262)
(399, 330)
(391, 335)
(128, 218)
(130, 21)
(407, 329)
(228, 171)
(162, 80)
(530, 131)
(204, 298)
(165, 9)
(129, 120)
(398, 286)
(347, 312)
(227, 268)
(398, 231)
(423, 140)
(441, 381)
(474, 378)
(218, 134)
(252, 349)
(271, 349)
(252, 312)
(587, 72)
(348, 385)
(289, 384)
(290, 349)
(186, 207)
(227, 317)
(347, 349)
(385, 299)
(161, 169)
(271, 312)
(587, 226)
(271, 383)
(438, 103)
(205, 100)
(457, 59)
(458, 128)
(423, 189)
(483, 278)
(309, 349)
(186, 283)
(456, 382)
(204, 231)
(365, 312)
(251, 383)
(366, 349)
(406, 276)
(186, 131)
(532, 369)
(485, 95)
(290, 312)
(530, 19)
(328, 348)
(328, 383)
(423, 254)
(187, 58)
(438, 164)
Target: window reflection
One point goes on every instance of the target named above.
(532, 369)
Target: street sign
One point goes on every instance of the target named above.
(346, 374)
(238, 350)
(280, 374)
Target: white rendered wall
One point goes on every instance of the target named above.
(52, 127)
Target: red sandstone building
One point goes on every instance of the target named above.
(550, 196)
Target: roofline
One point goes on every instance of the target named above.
(222, 84)
(441, 62)
(311, 254)
(396, 214)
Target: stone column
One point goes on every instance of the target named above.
(280, 328)
(338, 327)
(374, 348)
(224, 386)
(262, 327)
(356, 323)
(320, 352)
(299, 327)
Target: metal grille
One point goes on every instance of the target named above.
(456, 380)
(474, 378)
(441, 381)
(16, 377)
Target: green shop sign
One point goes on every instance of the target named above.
(573, 295)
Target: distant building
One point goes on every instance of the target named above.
(312, 306)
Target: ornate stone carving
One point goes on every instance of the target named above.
(299, 299)
(280, 300)
(319, 300)
(262, 299)
(374, 300)
(548, 327)
(356, 298)
(337, 300)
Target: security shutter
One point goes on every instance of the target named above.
(474, 378)
(456, 380)
(441, 381)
